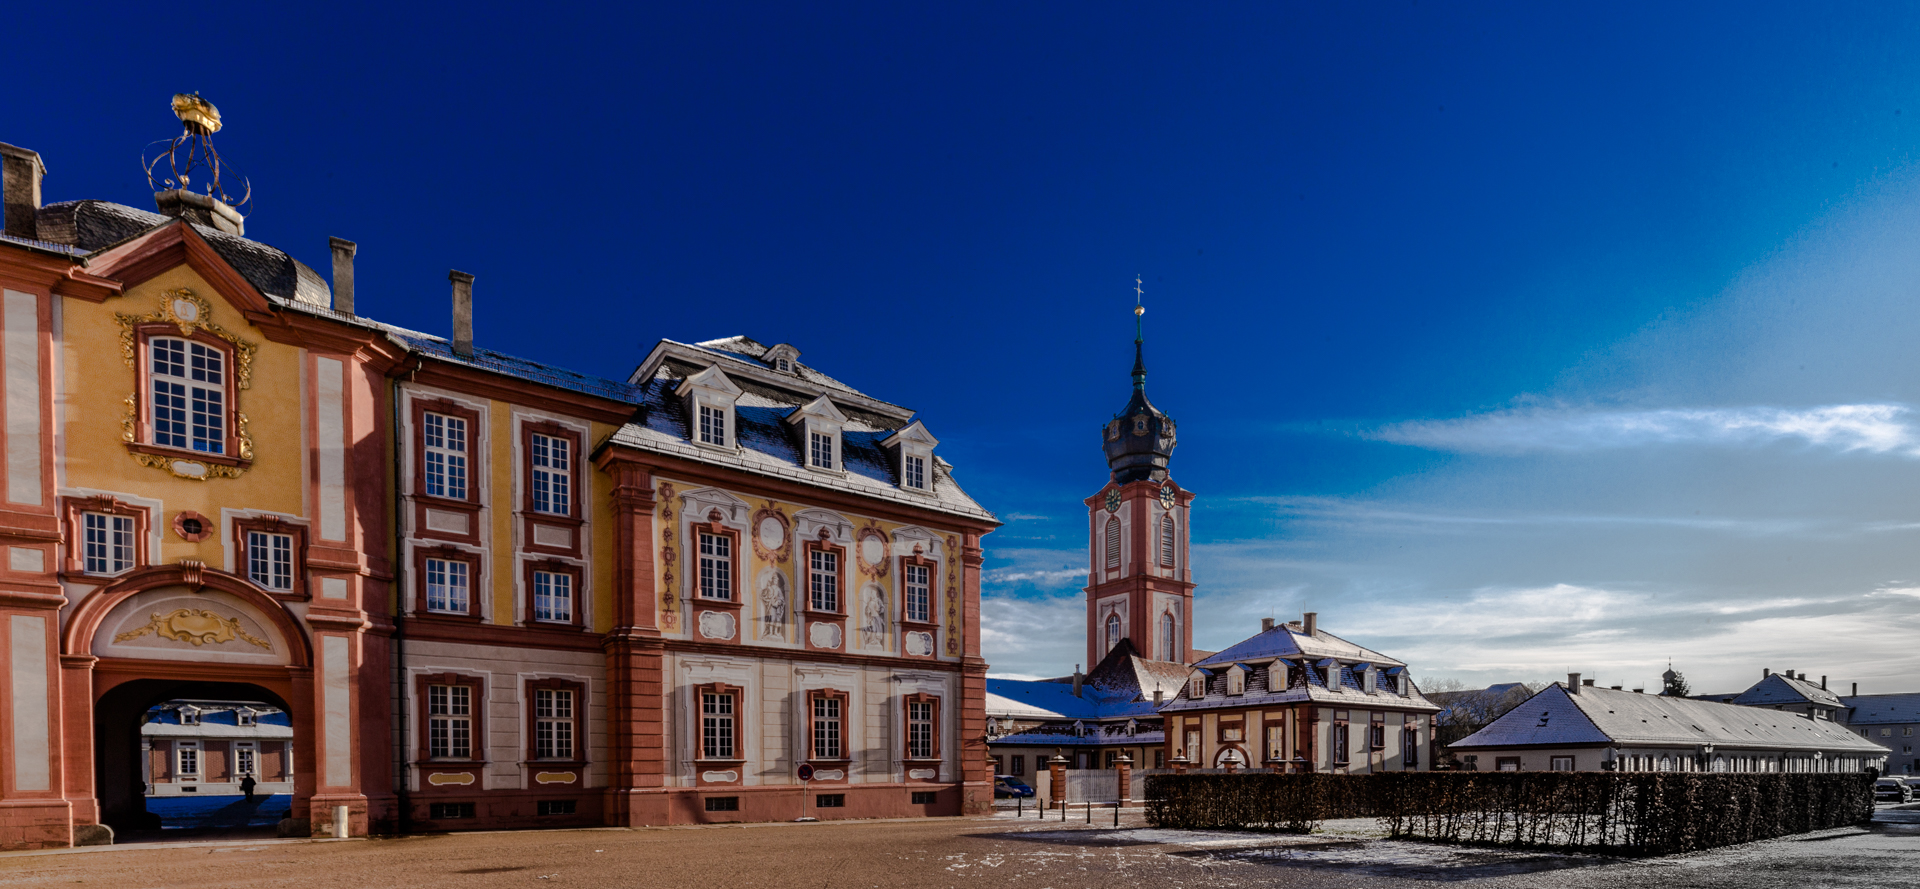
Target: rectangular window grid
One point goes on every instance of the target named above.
(552, 475)
(820, 450)
(109, 542)
(716, 567)
(824, 580)
(713, 425)
(552, 596)
(548, 807)
(270, 559)
(723, 804)
(446, 449)
(447, 586)
(919, 730)
(189, 759)
(826, 728)
(716, 726)
(830, 801)
(450, 721)
(552, 723)
(926, 797)
(243, 760)
(443, 811)
(916, 472)
(919, 595)
(1339, 745)
(189, 396)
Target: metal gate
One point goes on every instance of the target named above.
(1093, 785)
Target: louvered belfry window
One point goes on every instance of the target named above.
(1166, 541)
(1113, 543)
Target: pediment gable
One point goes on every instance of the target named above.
(821, 408)
(712, 379)
(913, 433)
(166, 247)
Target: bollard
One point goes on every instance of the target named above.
(1019, 807)
(1116, 816)
(339, 822)
(1089, 811)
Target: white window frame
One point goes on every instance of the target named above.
(553, 722)
(445, 591)
(554, 603)
(715, 568)
(189, 716)
(246, 759)
(823, 580)
(270, 560)
(1114, 631)
(1236, 680)
(719, 725)
(829, 737)
(550, 467)
(919, 592)
(189, 409)
(446, 461)
(822, 448)
(450, 721)
(922, 729)
(913, 473)
(108, 546)
(186, 760)
(245, 717)
(708, 417)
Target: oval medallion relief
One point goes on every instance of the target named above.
(773, 535)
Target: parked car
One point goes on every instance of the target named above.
(1892, 790)
(1009, 787)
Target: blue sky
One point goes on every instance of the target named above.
(1513, 339)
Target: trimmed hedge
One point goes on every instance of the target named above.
(1623, 814)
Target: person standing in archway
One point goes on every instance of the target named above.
(246, 786)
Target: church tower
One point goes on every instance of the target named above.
(1140, 588)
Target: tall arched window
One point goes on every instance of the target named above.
(1113, 543)
(1113, 631)
(1166, 541)
(1169, 638)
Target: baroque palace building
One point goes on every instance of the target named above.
(485, 592)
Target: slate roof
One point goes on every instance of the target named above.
(217, 720)
(1602, 716)
(1777, 690)
(1336, 684)
(1290, 640)
(92, 226)
(1882, 709)
(1120, 687)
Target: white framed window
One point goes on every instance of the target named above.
(245, 759)
(553, 596)
(109, 542)
(1169, 638)
(823, 579)
(189, 716)
(189, 395)
(820, 450)
(446, 456)
(450, 721)
(716, 566)
(552, 475)
(920, 729)
(1560, 764)
(244, 716)
(1197, 687)
(270, 559)
(716, 725)
(1113, 631)
(713, 425)
(553, 723)
(919, 593)
(914, 472)
(447, 588)
(1236, 681)
(1113, 542)
(826, 728)
(186, 757)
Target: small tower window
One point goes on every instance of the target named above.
(1113, 631)
(1169, 638)
(1166, 541)
(1113, 543)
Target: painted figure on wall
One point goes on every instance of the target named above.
(873, 624)
(773, 604)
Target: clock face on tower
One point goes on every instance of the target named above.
(1166, 496)
(1113, 500)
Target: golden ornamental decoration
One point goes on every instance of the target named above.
(195, 626)
(190, 313)
(188, 468)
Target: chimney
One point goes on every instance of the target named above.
(1159, 695)
(1266, 623)
(342, 274)
(1077, 679)
(1587, 682)
(1310, 624)
(1614, 687)
(1573, 683)
(1764, 672)
(463, 340)
(1639, 691)
(1856, 690)
(1823, 683)
(20, 173)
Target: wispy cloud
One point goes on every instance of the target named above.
(1060, 577)
(1872, 428)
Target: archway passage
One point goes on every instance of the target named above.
(171, 756)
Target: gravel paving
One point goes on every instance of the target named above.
(980, 853)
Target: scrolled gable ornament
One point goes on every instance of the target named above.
(195, 626)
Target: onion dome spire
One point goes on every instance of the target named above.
(1140, 438)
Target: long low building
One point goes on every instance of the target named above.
(1579, 727)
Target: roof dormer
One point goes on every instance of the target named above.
(783, 358)
(710, 398)
(818, 424)
(1237, 679)
(913, 459)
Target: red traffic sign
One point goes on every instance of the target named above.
(806, 771)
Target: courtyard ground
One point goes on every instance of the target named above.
(962, 853)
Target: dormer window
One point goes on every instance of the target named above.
(710, 400)
(783, 358)
(912, 449)
(243, 716)
(1236, 680)
(189, 716)
(1197, 686)
(818, 424)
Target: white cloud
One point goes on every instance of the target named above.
(1032, 637)
(1061, 577)
(1873, 428)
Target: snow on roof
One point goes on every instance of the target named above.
(1778, 689)
(1289, 640)
(1880, 709)
(1604, 716)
